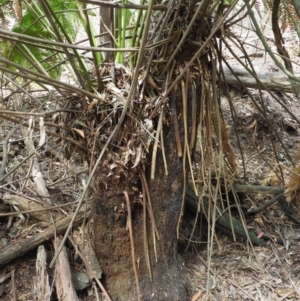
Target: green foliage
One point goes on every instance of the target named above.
(35, 24)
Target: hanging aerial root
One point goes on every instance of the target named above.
(149, 205)
(129, 225)
(175, 124)
(186, 151)
(155, 146)
(163, 148)
(224, 135)
(145, 238)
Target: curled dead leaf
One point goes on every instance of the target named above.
(79, 132)
(259, 220)
(91, 105)
(152, 83)
(196, 296)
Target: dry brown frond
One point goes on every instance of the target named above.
(285, 17)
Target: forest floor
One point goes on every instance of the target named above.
(237, 270)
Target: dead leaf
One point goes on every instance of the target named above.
(282, 291)
(259, 220)
(91, 105)
(196, 296)
(79, 132)
(152, 83)
(138, 156)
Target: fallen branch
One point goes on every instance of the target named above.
(36, 210)
(223, 222)
(257, 189)
(64, 286)
(20, 247)
(41, 287)
(274, 81)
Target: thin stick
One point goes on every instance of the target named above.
(154, 245)
(266, 204)
(129, 225)
(13, 285)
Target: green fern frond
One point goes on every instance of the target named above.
(34, 23)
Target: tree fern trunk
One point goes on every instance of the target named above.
(112, 240)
